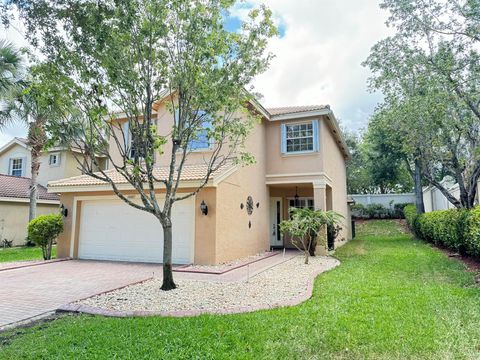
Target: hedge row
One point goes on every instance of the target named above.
(455, 229)
(378, 211)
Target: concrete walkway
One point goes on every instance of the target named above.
(32, 291)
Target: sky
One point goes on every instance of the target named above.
(318, 56)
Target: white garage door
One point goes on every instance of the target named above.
(112, 230)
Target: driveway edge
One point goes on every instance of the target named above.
(34, 263)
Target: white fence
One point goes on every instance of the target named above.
(386, 200)
(433, 198)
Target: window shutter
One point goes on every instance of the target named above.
(284, 139)
(59, 158)
(24, 165)
(176, 118)
(126, 134)
(10, 164)
(316, 145)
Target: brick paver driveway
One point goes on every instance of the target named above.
(35, 290)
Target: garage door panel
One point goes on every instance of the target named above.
(113, 230)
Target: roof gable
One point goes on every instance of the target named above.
(15, 141)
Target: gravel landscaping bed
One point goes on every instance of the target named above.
(285, 284)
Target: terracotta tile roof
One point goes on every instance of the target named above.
(19, 188)
(189, 173)
(295, 109)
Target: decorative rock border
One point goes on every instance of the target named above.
(85, 309)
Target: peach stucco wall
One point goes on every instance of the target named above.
(335, 168)
(279, 163)
(14, 219)
(235, 239)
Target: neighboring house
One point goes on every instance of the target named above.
(14, 203)
(300, 161)
(56, 163)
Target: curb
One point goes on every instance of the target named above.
(221, 272)
(85, 309)
(38, 263)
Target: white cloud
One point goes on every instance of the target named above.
(318, 60)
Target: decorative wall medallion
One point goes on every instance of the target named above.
(249, 205)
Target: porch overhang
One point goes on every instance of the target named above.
(317, 179)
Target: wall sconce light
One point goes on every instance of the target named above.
(204, 208)
(63, 210)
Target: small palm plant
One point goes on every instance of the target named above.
(305, 224)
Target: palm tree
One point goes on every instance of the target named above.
(22, 107)
(11, 64)
(30, 102)
(306, 224)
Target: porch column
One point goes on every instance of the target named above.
(320, 203)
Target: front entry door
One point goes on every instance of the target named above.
(276, 238)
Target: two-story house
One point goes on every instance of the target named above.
(15, 174)
(300, 161)
(56, 163)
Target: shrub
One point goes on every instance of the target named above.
(359, 212)
(43, 230)
(305, 224)
(398, 210)
(378, 211)
(410, 212)
(455, 229)
(472, 233)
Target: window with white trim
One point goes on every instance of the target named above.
(301, 203)
(16, 167)
(54, 159)
(301, 137)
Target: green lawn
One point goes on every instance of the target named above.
(391, 298)
(23, 253)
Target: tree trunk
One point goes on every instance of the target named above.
(32, 213)
(168, 283)
(418, 187)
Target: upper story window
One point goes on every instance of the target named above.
(300, 137)
(200, 139)
(54, 159)
(130, 144)
(16, 166)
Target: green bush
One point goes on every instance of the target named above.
(472, 233)
(43, 230)
(378, 211)
(410, 212)
(456, 229)
(398, 210)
